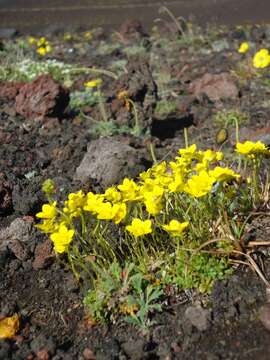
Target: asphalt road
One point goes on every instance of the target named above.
(37, 14)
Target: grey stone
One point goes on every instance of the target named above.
(107, 162)
(198, 317)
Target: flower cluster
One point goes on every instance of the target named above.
(140, 207)
(43, 46)
(261, 58)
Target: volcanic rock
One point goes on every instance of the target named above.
(215, 86)
(43, 97)
(107, 162)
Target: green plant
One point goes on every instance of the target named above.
(165, 107)
(122, 291)
(180, 224)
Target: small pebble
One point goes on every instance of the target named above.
(88, 354)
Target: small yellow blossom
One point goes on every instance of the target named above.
(243, 48)
(93, 83)
(128, 309)
(9, 327)
(252, 149)
(175, 228)
(62, 238)
(223, 174)
(48, 226)
(75, 203)
(119, 212)
(153, 200)
(199, 185)
(115, 212)
(129, 190)
(32, 40)
(112, 194)
(261, 59)
(139, 227)
(67, 37)
(88, 35)
(93, 201)
(49, 211)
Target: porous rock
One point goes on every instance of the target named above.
(15, 238)
(215, 86)
(198, 317)
(44, 255)
(10, 89)
(107, 162)
(43, 97)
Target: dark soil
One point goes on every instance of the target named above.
(54, 324)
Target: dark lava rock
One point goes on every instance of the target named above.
(107, 162)
(215, 86)
(140, 87)
(5, 350)
(5, 196)
(43, 97)
(42, 342)
(27, 197)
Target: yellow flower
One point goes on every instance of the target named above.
(9, 326)
(115, 212)
(93, 83)
(189, 151)
(67, 37)
(129, 190)
(43, 50)
(128, 309)
(175, 228)
(119, 212)
(223, 174)
(112, 194)
(243, 48)
(199, 185)
(261, 59)
(177, 183)
(62, 238)
(48, 226)
(88, 35)
(139, 227)
(49, 211)
(252, 149)
(153, 200)
(32, 40)
(75, 203)
(93, 201)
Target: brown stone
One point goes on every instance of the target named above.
(215, 86)
(43, 355)
(88, 354)
(19, 250)
(43, 97)
(10, 89)
(44, 255)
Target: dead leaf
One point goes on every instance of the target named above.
(9, 326)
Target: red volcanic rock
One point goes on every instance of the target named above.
(215, 86)
(41, 98)
(10, 89)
